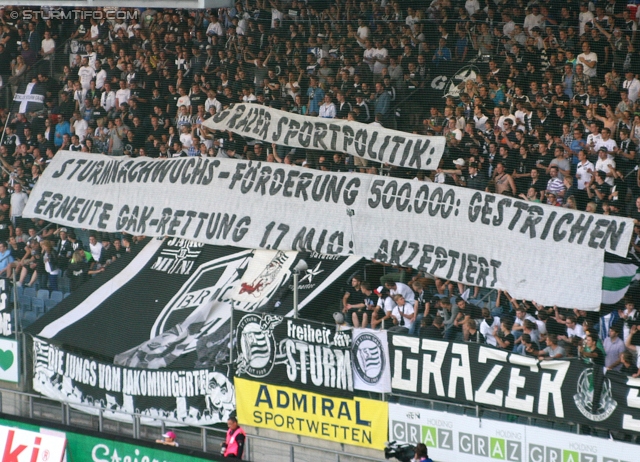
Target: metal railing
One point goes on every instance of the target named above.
(205, 439)
(22, 404)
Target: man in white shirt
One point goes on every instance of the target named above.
(606, 141)
(632, 85)
(328, 109)
(589, 60)
(402, 289)
(606, 164)
(123, 94)
(380, 57)
(101, 75)
(95, 248)
(368, 56)
(533, 19)
(108, 98)
(48, 46)
(584, 17)
(584, 170)
(212, 101)
(79, 126)
(573, 330)
(487, 326)
(404, 312)
(411, 19)
(215, 28)
(86, 74)
(19, 200)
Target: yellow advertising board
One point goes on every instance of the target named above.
(357, 421)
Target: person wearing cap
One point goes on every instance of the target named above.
(606, 164)
(169, 439)
(233, 447)
(475, 180)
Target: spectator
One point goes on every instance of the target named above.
(504, 337)
(613, 348)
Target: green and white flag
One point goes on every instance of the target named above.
(617, 277)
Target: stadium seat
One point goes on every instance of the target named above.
(64, 284)
(50, 304)
(29, 292)
(67, 294)
(43, 294)
(38, 306)
(28, 318)
(25, 303)
(56, 295)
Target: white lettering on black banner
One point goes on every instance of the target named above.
(370, 142)
(454, 233)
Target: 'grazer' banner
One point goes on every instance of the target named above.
(335, 135)
(454, 233)
(356, 421)
(476, 375)
(193, 397)
(286, 351)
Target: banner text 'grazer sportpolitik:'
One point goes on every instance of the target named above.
(454, 233)
(371, 142)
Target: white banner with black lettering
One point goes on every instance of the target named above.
(482, 239)
(456, 437)
(370, 360)
(370, 142)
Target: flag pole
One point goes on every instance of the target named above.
(2, 139)
(5, 127)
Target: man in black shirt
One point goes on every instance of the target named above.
(434, 331)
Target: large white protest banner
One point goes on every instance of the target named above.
(533, 251)
(368, 141)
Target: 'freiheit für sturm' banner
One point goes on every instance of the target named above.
(371, 142)
(453, 233)
(292, 352)
(192, 397)
(478, 375)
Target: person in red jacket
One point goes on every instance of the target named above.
(233, 447)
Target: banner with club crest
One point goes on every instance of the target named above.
(297, 353)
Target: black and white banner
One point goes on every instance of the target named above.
(332, 135)
(294, 353)
(191, 397)
(7, 326)
(454, 233)
(183, 321)
(370, 356)
(29, 99)
(472, 374)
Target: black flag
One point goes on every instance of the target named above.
(30, 99)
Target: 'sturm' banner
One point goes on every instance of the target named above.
(286, 351)
(453, 233)
(335, 135)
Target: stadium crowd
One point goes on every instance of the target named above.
(549, 111)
